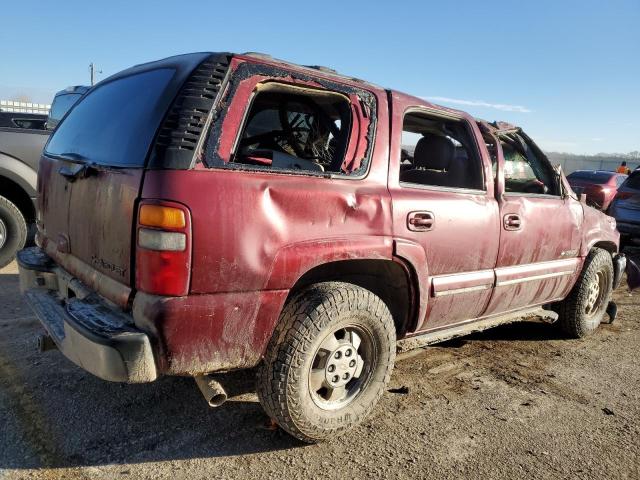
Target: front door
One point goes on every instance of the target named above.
(443, 202)
(539, 231)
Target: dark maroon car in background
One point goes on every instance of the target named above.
(600, 186)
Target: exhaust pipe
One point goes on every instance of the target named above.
(45, 342)
(213, 392)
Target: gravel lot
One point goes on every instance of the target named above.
(513, 402)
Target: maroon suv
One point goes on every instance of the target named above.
(212, 212)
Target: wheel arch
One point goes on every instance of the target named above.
(607, 245)
(388, 279)
(17, 194)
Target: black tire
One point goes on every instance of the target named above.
(312, 319)
(582, 311)
(13, 228)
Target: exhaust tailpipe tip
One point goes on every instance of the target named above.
(213, 392)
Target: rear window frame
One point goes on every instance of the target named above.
(262, 73)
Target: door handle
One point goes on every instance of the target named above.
(420, 221)
(512, 222)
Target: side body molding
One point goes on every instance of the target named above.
(536, 271)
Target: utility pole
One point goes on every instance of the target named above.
(93, 72)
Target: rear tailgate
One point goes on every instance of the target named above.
(93, 168)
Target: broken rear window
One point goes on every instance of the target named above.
(294, 128)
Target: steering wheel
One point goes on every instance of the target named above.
(289, 130)
(535, 186)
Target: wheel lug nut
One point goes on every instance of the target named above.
(338, 354)
(347, 353)
(345, 376)
(352, 363)
(335, 379)
(332, 368)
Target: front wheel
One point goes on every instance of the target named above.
(582, 311)
(328, 362)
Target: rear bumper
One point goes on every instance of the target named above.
(95, 336)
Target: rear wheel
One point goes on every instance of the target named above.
(328, 362)
(582, 311)
(13, 231)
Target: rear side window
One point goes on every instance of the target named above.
(296, 129)
(115, 123)
(29, 123)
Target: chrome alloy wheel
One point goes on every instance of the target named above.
(595, 293)
(341, 367)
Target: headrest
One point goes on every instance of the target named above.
(434, 153)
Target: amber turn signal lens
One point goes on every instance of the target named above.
(162, 217)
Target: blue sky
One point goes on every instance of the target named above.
(567, 71)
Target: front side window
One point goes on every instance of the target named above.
(439, 152)
(524, 170)
(290, 128)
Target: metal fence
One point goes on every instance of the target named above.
(23, 107)
(570, 165)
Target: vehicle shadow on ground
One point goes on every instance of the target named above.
(103, 423)
(64, 417)
(521, 331)
(55, 415)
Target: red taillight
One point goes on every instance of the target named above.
(163, 248)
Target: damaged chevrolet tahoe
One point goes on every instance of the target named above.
(213, 212)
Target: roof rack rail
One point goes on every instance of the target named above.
(321, 68)
(266, 56)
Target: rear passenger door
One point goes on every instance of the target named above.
(443, 202)
(539, 228)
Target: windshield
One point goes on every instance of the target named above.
(114, 124)
(595, 177)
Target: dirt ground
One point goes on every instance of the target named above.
(513, 402)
